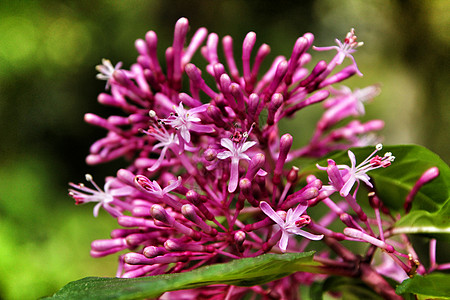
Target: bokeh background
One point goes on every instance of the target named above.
(48, 50)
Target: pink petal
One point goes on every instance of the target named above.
(366, 179)
(224, 154)
(159, 161)
(268, 210)
(283, 241)
(185, 134)
(201, 128)
(299, 210)
(198, 109)
(244, 156)
(308, 235)
(96, 209)
(325, 48)
(227, 143)
(352, 158)
(261, 172)
(123, 191)
(234, 175)
(347, 186)
(247, 145)
(173, 185)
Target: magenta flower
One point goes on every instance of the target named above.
(344, 49)
(104, 198)
(354, 173)
(357, 173)
(177, 200)
(236, 151)
(290, 224)
(186, 120)
(107, 70)
(166, 140)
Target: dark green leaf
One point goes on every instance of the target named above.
(348, 288)
(241, 272)
(432, 286)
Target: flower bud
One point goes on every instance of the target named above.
(318, 69)
(210, 154)
(104, 245)
(122, 232)
(189, 213)
(253, 103)
(427, 176)
(193, 197)
(239, 238)
(256, 163)
(127, 221)
(152, 251)
(245, 186)
(285, 147)
(160, 214)
(238, 94)
(292, 176)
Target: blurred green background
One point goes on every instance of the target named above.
(48, 50)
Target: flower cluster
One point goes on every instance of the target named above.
(208, 179)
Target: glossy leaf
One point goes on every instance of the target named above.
(436, 224)
(348, 288)
(241, 272)
(432, 286)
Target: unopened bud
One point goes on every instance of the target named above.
(374, 200)
(210, 154)
(152, 251)
(239, 237)
(160, 214)
(173, 245)
(292, 176)
(275, 103)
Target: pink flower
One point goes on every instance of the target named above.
(107, 70)
(345, 49)
(236, 151)
(166, 141)
(104, 198)
(355, 173)
(186, 120)
(290, 224)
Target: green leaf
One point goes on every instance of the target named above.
(436, 224)
(432, 286)
(240, 272)
(349, 288)
(430, 212)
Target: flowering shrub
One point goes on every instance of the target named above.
(212, 182)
